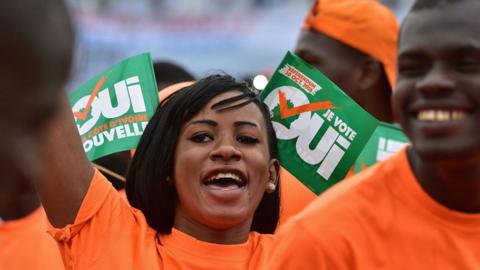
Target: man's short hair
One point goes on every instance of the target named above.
(431, 4)
(167, 73)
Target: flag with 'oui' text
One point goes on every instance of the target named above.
(112, 109)
(320, 130)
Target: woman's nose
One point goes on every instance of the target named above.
(225, 151)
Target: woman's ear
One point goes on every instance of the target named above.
(274, 173)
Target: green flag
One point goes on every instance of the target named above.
(112, 109)
(385, 141)
(320, 130)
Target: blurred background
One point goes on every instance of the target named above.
(243, 38)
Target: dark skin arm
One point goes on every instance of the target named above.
(68, 172)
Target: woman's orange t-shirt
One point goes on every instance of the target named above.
(109, 234)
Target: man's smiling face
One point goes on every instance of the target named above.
(437, 100)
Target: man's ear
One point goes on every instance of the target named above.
(370, 73)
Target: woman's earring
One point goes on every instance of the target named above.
(270, 187)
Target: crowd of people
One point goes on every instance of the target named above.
(205, 188)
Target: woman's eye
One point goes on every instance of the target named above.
(201, 138)
(247, 139)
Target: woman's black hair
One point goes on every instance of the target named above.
(152, 166)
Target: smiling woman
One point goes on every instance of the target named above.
(202, 185)
(207, 156)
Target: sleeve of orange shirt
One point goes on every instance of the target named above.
(107, 233)
(315, 240)
(294, 196)
(326, 234)
(299, 248)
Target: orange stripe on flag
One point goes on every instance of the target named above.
(83, 115)
(286, 112)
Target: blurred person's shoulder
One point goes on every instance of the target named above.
(367, 197)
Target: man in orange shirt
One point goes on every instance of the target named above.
(354, 43)
(36, 53)
(421, 208)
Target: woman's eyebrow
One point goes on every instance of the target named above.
(245, 123)
(204, 122)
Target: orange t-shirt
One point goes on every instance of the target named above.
(25, 244)
(379, 219)
(109, 234)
